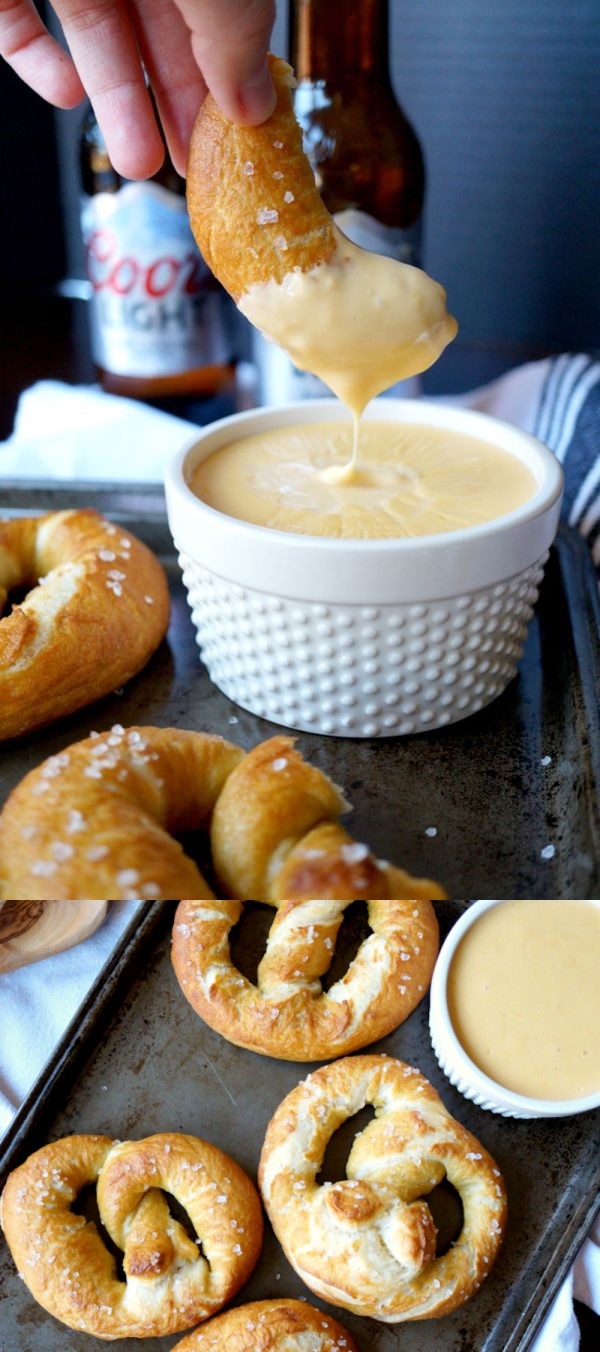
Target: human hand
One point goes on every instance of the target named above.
(187, 47)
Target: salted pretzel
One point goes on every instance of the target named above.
(96, 609)
(368, 1243)
(288, 1015)
(170, 1280)
(276, 837)
(261, 225)
(270, 1326)
(97, 820)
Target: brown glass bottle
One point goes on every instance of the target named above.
(162, 327)
(365, 154)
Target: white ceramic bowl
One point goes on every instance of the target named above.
(363, 638)
(460, 1069)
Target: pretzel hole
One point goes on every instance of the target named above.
(248, 939)
(179, 1213)
(335, 1160)
(16, 596)
(355, 929)
(446, 1207)
(86, 1204)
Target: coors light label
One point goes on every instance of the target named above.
(156, 308)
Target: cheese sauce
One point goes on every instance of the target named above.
(412, 480)
(524, 997)
(360, 322)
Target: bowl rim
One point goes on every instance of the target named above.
(455, 417)
(445, 1036)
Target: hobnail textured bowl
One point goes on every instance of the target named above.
(362, 638)
(459, 1068)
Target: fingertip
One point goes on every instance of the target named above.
(257, 97)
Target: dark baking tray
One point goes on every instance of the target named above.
(136, 1060)
(480, 782)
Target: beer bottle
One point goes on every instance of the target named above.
(366, 157)
(162, 328)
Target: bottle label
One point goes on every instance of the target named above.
(156, 309)
(279, 380)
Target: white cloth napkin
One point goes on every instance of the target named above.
(78, 432)
(37, 1002)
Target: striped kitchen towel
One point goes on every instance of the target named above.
(558, 400)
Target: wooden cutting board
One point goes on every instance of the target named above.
(31, 930)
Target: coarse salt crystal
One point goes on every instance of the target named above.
(546, 760)
(548, 852)
(279, 764)
(266, 216)
(106, 555)
(288, 196)
(277, 174)
(126, 877)
(43, 868)
(149, 602)
(97, 852)
(354, 853)
(281, 243)
(248, 168)
(61, 850)
(431, 831)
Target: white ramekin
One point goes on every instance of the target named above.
(363, 638)
(460, 1069)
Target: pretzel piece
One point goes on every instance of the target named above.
(287, 1015)
(270, 1326)
(171, 1281)
(98, 820)
(102, 610)
(275, 837)
(235, 175)
(368, 1242)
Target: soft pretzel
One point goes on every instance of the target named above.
(270, 1326)
(96, 821)
(275, 837)
(368, 1243)
(235, 175)
(260, 223)
(171, 1281)
(289, 1016)
(102, 610)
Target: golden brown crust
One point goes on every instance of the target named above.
(101, 612)
(275, 837)
(96, 820)
(270, 1326)
(239, 184)
(368, 1242)
(287, 1015)
(171, 1282)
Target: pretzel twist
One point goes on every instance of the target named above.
(275, 837)
(287, 1015)
(97, 820)
(270, 1326)
(368, 1243)
(102, 610)
(171, 1281)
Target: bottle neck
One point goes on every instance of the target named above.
(340, 45)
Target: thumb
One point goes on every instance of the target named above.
(230, 41)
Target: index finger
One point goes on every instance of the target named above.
(105, 52)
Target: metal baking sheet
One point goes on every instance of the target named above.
(480, 783)
(137, 1060)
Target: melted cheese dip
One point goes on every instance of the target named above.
(411, 480)
(524, 997)
(360, 321)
